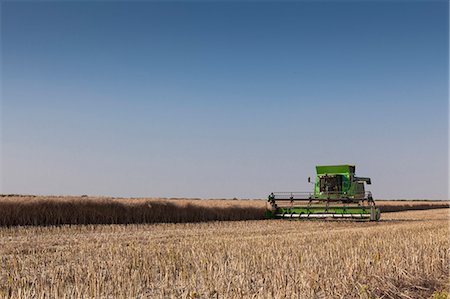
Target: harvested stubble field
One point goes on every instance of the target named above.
(406, 255)
(57, 210)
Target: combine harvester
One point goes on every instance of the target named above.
(338, 193)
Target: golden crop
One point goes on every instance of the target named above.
(406, 255)
(57, 210)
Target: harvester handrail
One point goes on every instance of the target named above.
(329, 192)
(292, 193)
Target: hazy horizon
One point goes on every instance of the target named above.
(223, 99)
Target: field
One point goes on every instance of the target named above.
(406, 255)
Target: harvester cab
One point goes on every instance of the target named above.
(338, 193)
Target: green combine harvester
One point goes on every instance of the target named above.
(338, 193)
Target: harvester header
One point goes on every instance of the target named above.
(338, 193)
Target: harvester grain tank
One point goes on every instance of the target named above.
(338, 193)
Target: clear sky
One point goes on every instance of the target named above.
(223, 99)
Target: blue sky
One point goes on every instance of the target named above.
(223, 99)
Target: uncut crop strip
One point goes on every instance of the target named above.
(409, 205)
(78, 210)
